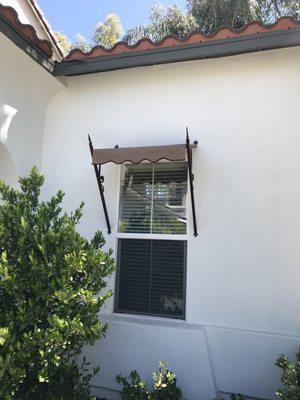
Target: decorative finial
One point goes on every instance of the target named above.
(91, 145)
(187, 133)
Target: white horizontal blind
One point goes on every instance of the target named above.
(136, 198)
(153, 198)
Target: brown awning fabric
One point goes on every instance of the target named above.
(173, 152)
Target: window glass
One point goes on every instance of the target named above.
(151, 272)
(136, 198)
(169, 198)
(151, 277)
(153, 198)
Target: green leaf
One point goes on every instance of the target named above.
(51, 278)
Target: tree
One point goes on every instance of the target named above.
(208, 16)
(50, 280)
(270, 10)
(173, 22)
(164, 21)
(63, 41)
(107, 33)
(138, 32)
(211, 14)
(81, 43)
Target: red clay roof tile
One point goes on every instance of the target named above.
(11, 16)
(197, 37)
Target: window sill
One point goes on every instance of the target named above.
(150, 321)
(153, 236)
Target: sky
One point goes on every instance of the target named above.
(81, 16)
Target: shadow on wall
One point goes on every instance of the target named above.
(8, 170)
(6, 115)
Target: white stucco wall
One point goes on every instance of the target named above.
(8, 171)
(25, 87)
(243, 273)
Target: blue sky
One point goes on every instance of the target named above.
(76, 16)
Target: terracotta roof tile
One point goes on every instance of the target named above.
(47, 26)
(197, 37)
(11, 16)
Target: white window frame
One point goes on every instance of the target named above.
(152, 236)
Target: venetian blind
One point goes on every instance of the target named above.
(151, 277)
(153, 198)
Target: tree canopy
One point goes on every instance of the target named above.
(211, 14)
(164, 21)
(63, 41)
(270, 10)
(208, 16)
(107, 33)
(81, 43)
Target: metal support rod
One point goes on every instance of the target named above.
(191, 176)
(100, 180)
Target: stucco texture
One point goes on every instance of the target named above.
(243, 300)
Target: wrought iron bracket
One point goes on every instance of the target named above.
(100, 180)
(191, 179)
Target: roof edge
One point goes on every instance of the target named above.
(47, 27)
(269, 40)
(253, 37)
(11, 16)
(24, 37)
(223, 32)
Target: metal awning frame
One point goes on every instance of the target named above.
(100, 179)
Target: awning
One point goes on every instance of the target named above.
(173, 152)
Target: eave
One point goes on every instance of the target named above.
(253, 37)
(25, 37)
(46, 27)
(226, 42)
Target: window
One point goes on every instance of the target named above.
(153, 198)
(151, 264)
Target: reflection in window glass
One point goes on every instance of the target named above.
(153, 198)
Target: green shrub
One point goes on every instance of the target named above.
(50, 277)
(290, 378)
(133, 387)
(164, 382)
